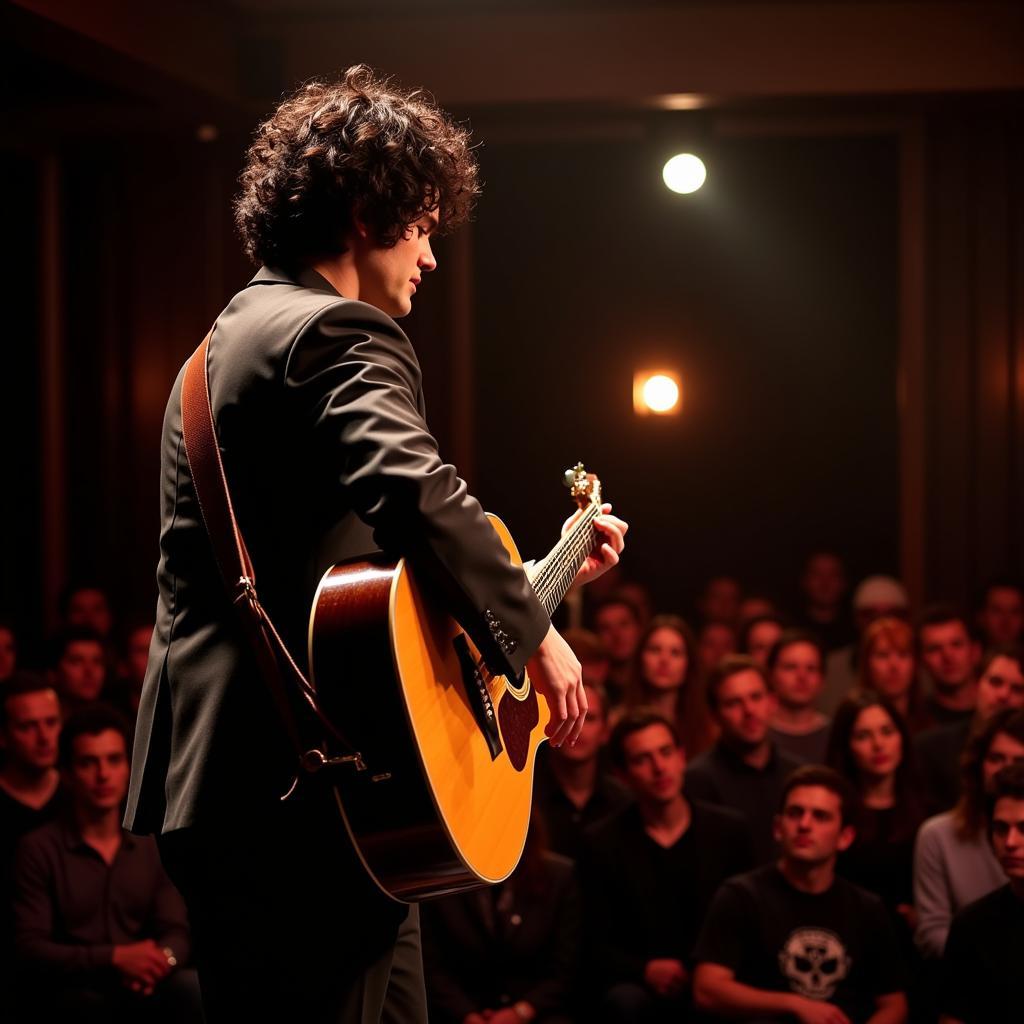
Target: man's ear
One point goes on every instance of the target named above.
(359, 226)
(847, 834)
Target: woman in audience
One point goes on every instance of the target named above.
(795, 669)
(953, 861)
(888, 667)
(665, 679)
(870, 744)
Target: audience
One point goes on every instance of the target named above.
(572, 790)
(870, 746)
(617, 623)
(720, 600)
(132, 672)
(1000, 615)
(982, 962)
(649, 873)
(507, 953)
(953, 861)
(80, 668)
(715, 641)
(949, 657)
(84, 605)
(1000, 685)
(795, 665)
(664, 679)
(592, 654)
(743, 771)
(887, 666)
(8, 650)
(793, 941)
(822, 609)
(99, 928)
(758, 636)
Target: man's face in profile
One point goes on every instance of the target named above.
(389, 276)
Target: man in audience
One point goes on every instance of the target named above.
(100, 930)
(715, 640)
(938, 750)
(949, 657)
(1000, 615)
(743, 771)
(982, 962)
(592, 653)
(758, 635)
(80, 667)
(875, 597)
(8, 650)
(617, 623)
(571, 790)
(649, 873)
(720, 600)
(795, 673)
(791, 940)
(85, 605)
(823, 611)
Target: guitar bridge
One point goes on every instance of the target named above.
(480, 702)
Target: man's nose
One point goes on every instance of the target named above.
(427, 262)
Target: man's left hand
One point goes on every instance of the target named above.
(612, 536)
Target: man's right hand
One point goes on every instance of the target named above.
(666, 977)
(810, 1011)
(559, 678)
(142, 964)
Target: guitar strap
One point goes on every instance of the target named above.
(236, 569)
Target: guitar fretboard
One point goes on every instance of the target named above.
(556, 572)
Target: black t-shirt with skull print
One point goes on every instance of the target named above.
(838, 946)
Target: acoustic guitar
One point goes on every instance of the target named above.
(441, 799)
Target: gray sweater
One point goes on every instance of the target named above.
(949, 873)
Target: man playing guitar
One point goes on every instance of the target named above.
(319, 419)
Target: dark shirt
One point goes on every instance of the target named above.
(982, 963)
(564, 820)
(836, 633)
(720, 776)
(881, 859)
(807, 748)
(938, 751)
(939, 714)
(837, 946)
(72, 908)
(645, 901)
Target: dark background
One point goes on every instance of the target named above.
(843, 298)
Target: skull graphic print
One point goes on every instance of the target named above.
(814, 961)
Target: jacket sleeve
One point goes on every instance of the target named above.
(356, 381)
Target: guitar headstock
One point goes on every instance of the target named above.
(584, 487)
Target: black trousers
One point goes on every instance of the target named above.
(287, 925)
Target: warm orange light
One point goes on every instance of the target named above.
(657, 393)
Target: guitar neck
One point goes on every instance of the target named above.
(554, 574)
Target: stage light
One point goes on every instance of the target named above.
(684, 173)
(656, 393)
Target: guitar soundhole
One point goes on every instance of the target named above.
(517, 719)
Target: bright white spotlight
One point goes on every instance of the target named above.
(656, 392)
(684, 173)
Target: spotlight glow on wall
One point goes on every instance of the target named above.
(657, 393)
(684, 173)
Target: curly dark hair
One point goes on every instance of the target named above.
(362, 147)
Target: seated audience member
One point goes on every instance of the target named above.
(649, 873)
(743, 771)
(870, 746)
(664, 678)
(8, 650)
(617, 623)
(572, 791)
(715, 641)
(758, 636)
(80, 668)
(949, 658)
(982, 962)
(794, 668)
(640, 596)
(792, 941)
(100, 931)
(720, 600)
(132, 669)
(887, 666)
(1000, 615)
(823, 590)
(84, 605)
(1000, 685)
(755, 606)
(508, 953)
(953, 861)
(875, 597)
(592, 654)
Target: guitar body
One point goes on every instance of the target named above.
(444, 803)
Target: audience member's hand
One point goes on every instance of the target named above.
(142, 965)
(810, 1011)
(666, 977)
(612, 536)
(559, 677)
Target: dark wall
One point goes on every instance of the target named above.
(774, 290)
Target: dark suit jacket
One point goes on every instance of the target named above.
(320, 419)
